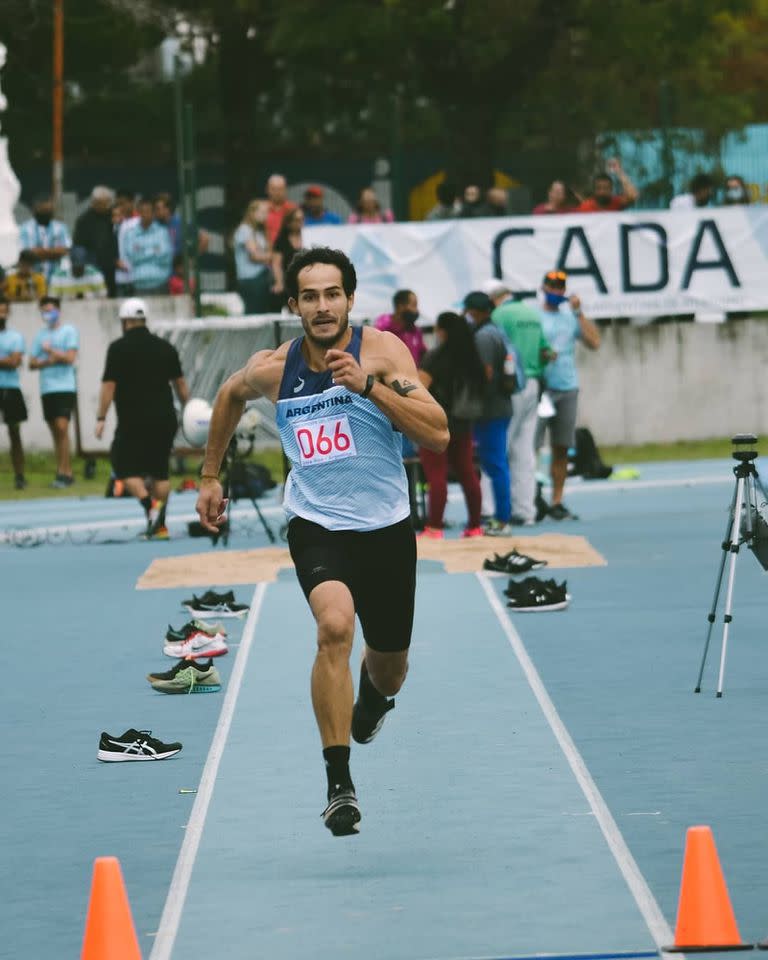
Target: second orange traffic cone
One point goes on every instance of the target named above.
(109, 930)
(705, 918)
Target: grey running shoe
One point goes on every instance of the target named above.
(190, 679)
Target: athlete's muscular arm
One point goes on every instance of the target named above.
(397, 391)
(259, 377)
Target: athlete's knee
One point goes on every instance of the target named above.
(335, 632)
(388, 678)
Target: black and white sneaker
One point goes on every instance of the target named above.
(213, 604)
(368, 720)
(134, 745)
(512, 563)
(537, 596)
(342, 815)
(179, 666)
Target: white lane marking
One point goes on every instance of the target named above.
(177, 892)
(14, 534)
(644, 898)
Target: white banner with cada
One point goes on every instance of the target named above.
(643, 264)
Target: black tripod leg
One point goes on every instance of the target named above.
(267, 528)
(711, 616)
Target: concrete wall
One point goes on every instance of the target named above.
(678, 381)
(98, 325)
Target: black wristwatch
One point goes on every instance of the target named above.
(368, 385)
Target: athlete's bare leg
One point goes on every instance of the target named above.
(386, 670)
(332, 689)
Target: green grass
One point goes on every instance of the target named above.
(683, 450)
(40, 467)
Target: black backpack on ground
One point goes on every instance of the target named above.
(587, 461)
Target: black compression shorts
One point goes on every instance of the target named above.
(379, 567)
(142, 451)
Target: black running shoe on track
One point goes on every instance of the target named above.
(367, 721)
(181, 665)
(512, 563)
(342, 815)
(539, 597)
(521, 588)
(213, 604)
(134, 745)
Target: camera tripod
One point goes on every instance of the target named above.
(232, 469)
(740, 530)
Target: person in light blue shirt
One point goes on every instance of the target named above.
(13, 410)
(563, 326)
(46, 238)
(252, 258)
(145, 246)
(54, 354)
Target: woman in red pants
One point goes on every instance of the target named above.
(454, 375)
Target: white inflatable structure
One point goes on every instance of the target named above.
(9, 192)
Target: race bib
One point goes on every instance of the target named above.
(321, 441)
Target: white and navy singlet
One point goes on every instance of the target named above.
(346, 457)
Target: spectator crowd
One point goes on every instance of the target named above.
(489, 368)
(123, 245)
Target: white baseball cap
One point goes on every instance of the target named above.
(495, 287)
(133, 308)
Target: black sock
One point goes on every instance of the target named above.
(146, 502)
(337, 767)
(369, 695)
(161, 513)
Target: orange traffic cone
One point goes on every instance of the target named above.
(705, 919)
(109, 930)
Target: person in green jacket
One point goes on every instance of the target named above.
(521, 325)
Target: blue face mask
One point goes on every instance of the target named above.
(51, 317)
(554, 299)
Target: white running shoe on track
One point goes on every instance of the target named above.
(197, 646)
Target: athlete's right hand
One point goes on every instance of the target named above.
(211, 505)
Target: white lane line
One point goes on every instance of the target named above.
(16, 533)
(645, 900)
(177, 892)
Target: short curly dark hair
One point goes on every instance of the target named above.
(306, 258)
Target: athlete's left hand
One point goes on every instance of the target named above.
(346, 371)
(575, 303)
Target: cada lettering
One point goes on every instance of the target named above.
(575, 245)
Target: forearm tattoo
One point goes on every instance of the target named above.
(404, 388)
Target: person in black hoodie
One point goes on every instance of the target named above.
(454, 375)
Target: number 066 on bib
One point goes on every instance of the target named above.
(321, 441)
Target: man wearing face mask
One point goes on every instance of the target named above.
(13, 410)
(138, 375)
(54, 353)
(563, 326)
(47, 239)
(402, 322)
(603, 199)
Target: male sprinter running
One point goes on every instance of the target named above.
(341, 395)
